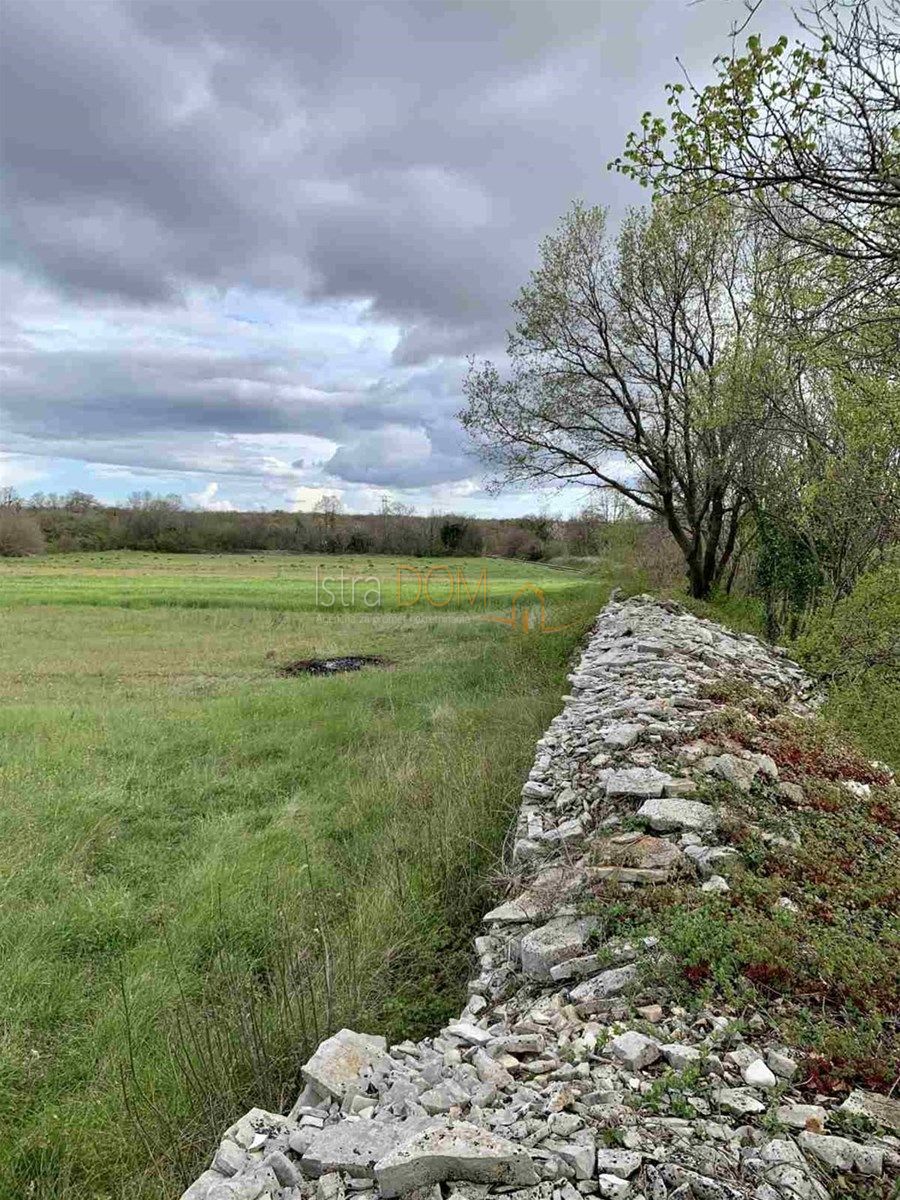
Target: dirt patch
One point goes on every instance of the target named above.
(332, 666)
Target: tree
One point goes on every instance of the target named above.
(328, 508)
(809, 134)
(637, 367)
(830, 507)
(155, 522)
(20, 533)
(396, 533)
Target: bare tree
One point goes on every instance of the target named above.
(327, 509)
(637, 367)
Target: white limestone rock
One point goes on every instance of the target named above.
(634, 1049)
(883, 1110)
(739, 1101)
(802, 1116)
(613, 1187)
(757, 1074)
(453, 1150)
(623, 1163)
(553, 943)
(672, 815)
(640, 782)
(340, 1061)
(841, 1154)
(739, 772)
(607, 984)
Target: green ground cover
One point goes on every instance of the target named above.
(208, 866)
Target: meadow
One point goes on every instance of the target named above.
(208, 865)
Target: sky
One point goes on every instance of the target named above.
(249, 247)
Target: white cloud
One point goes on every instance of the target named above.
(207, 499)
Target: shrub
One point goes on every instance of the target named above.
(20, 535)
(861, 633)
(656, 553)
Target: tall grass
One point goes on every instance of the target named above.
(208, 867)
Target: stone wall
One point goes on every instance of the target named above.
(531, 1093)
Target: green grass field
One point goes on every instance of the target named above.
(208, 866)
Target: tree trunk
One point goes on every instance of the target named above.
(699, 579)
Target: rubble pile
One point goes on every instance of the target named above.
(570, 1071)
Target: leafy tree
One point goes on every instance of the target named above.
(862, 632)
(637, 367)
(808, 132)
(453, 532)
(827, 505)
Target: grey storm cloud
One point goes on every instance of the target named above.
(406, 154)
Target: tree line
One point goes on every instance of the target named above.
(78, 521)
(728, 360)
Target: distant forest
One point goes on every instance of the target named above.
(79, 522)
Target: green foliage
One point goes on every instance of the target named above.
(787, 574)
(860, 633)
(670, 1094)
(805, 131)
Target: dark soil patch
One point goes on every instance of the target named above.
(332, 666)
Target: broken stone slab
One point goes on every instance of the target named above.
(564, 834)
(260, 1182)
(628, 874)
(229, 1159)
(739, 1101)
(739, 772)
(634, 1049)
(621, 736)
(254, 1128)
(841, 1154)
(639, 782)
(553, 943)
(340, 1061)
(446, 1095)
(633, 854)
(881, 1109)
(623, 1163)
(613, 1187)
(783, 1167)
(679, 1056)
(578, 968)
(670, 815)
(201, 1187)
(467, 1032)
(453, 1150)
(713, 860)
(519, 1043)
(490, 1071)
(604, 986)
(785, 1067)
(715, 883)
(356, 1146)
(802, 1116)
(680, 788)
(329, 1187)
(537, 791)
(282, 1168)
(545, 897)
(758, 1075)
